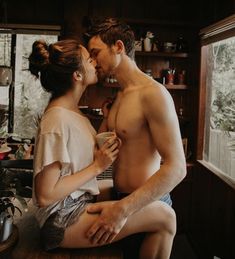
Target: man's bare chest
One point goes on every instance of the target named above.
(126, 117)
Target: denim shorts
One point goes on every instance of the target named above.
(116, 195)
(52, 232)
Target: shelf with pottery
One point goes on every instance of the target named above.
(162, 54)
(176, 86)
(168, 86)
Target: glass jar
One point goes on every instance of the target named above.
(169, 47)
(170, 76)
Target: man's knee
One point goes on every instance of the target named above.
(169, 223)
(165, 219)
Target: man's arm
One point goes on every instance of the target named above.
(160, 113)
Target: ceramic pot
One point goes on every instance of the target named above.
(147, 44)
(6, 224)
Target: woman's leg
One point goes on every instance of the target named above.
(157, 219)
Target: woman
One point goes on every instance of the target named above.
(66, 165)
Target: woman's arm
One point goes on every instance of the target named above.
(50, 187)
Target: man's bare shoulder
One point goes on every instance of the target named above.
(156, 100)
(154, 90)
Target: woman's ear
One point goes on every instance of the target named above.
(77, 76)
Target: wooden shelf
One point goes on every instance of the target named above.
(168, 86)
(176, 87)
(112, 85)
(162, 54)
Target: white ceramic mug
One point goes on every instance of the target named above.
(103, 136)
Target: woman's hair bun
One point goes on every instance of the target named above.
(39, 57)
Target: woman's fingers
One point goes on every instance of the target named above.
(111, 142)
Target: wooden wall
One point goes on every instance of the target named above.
(204, 203)
(212, 216)
(205, 209)
(69, 13)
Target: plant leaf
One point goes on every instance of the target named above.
(22, 202)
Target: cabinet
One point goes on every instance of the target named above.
(172, 63)
(161, 64)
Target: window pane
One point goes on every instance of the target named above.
(5, 49)
(5, 60)
(219, 142)
(30, 98)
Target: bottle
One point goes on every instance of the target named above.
(181, 45)
(147, 44)
(148, 41)
(181, 77)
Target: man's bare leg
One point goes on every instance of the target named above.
(158, 221)
(156, 245)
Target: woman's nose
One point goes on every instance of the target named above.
(94, 62)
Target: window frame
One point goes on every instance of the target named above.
(219, 31)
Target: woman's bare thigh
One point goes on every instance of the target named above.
(75, 235)
(151, 218)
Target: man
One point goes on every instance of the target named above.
(144, 118)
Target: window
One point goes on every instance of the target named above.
(217, 99)
(25, 98)
(30, 98)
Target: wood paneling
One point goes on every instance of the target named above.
(212, 224)
(182, 199)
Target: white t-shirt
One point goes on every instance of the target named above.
(69, 138)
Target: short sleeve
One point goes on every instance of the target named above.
(50, 147)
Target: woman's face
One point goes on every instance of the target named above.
(90, 75)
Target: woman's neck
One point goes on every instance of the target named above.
(69, 101)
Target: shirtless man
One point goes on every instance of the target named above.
(144, 118)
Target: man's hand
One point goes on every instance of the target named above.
(109, 223)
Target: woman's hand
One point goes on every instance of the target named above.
(107, 154)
